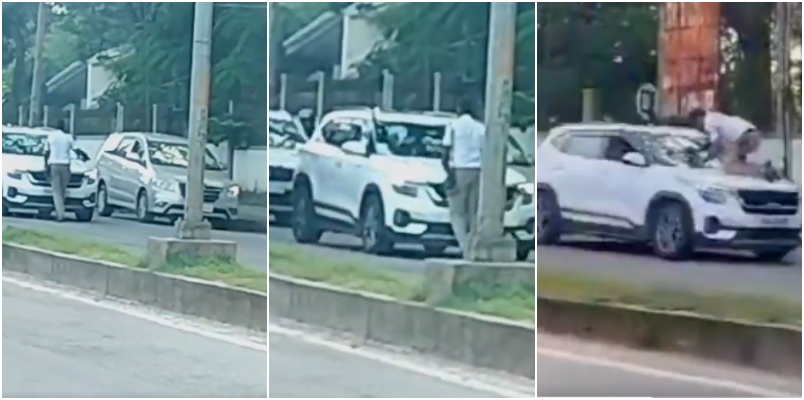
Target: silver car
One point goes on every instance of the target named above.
(147, 173)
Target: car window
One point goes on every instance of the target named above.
(171, 154)
(585, 145)
(24, 144)
(339, 131)
(124, 147)
(616, 148)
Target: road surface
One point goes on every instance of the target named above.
(64, 345)
(311, 364)
(569, 368)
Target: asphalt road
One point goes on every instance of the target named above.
(569, 368)
(55, 346)
(312, 364)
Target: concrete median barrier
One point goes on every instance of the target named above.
(467, 338)
(445, 276)
(195, 297)
(770, 348)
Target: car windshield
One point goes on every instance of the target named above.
(171, 154)
(24, 144)
(410, 140)
(516, 155)
(676, 150)
(284, 134)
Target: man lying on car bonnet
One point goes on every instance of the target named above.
(731, 140)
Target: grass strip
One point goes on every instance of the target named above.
(736, 306)
(213, 269)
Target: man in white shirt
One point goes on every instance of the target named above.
(463, 143)
(731, 137)
(58, 157)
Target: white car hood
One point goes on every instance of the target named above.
(717, 178)
(278, 157)
(15, 162)
(426, 170)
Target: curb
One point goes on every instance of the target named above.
(772, 348)
(471, 339)
(189, 296)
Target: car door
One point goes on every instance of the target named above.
(113, 165)
(325, 168)
(577, 177)
(133, 168)
(623, 193)
(352, 167)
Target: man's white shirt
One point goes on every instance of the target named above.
(725, 127)
(60, 145)
(466, 137)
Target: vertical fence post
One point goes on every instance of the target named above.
(437, 91)
(387, 90)
(154, 118)
(72, 117)
(118, 122)
(20, 115)
(283, 91)
(319, 100)
(45, 115)
(230, 145)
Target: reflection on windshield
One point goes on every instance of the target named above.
(284, 134)
(676, 150)
(24, 144)
(177, 155)
(410, 140)
(515, 155)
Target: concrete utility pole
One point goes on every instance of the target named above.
(42, 19)
(489, 242)
(194, 226)
(783, 82)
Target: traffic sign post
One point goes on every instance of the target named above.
(646, 102)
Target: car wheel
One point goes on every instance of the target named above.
(773, 256)
(523, 250)
(373, 233)
(304, 222)
(143, 214)
(104, 209)
(85, 214)
(435, 250)
(672, 233)
(548, 221)
(282, 219)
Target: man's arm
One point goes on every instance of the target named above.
(447, 144)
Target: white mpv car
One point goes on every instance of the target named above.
(648, 184)
(25, 184)
(285, 136)
(378, 175)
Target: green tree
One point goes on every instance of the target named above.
(19, 25)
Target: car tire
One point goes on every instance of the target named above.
(374, 237)
(435, 250)
(773, 256)
(283, 219)
(143, 214)
(548, 221)
(523, 250)
(672, 233)
(304, 221)
(85, 214)
(104, 209)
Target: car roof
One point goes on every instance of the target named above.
(413, 117)
(37, 131)
(614, 127)
(162, 137)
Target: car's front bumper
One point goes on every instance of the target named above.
(171, 205)
(753, 239)
(279, 197)
(22, 195)
(734, 228)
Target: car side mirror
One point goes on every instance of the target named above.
(356, 147)
(634, 159)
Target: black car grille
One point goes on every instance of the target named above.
(211, 194)
(770, 234)
(280, 174)
(768, 202)
(441, 190)
(40, 179)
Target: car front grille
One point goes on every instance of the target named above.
(767, 202)
(211, 194)
(280, 174)
(40, 179)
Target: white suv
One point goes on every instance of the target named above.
(285, 136)
(378, 175)
(648, 184)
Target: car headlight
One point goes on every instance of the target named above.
(526, 192)
(233, 191)
(166, 185)
(410, 189)
(91, 175)
(715, 195)
(14, 174)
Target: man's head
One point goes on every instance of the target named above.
(61, 125)
(466, 105)
(696, 118)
